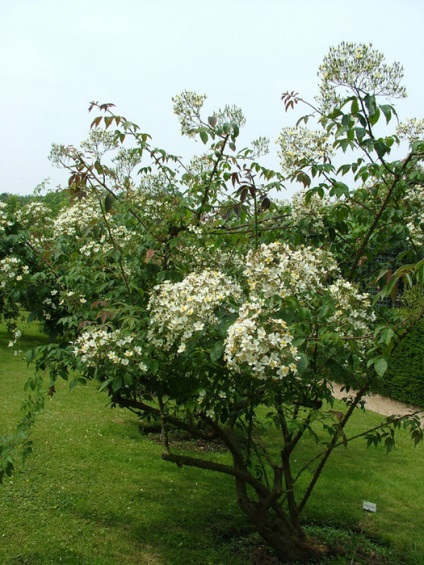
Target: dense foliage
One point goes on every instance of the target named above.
(404, 378)
(204, 304)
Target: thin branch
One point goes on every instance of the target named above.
(362, 434)
(331, 447)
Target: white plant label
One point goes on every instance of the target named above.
(369, 506)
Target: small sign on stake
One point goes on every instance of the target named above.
(369, 506)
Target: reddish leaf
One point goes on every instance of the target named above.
(150, 253)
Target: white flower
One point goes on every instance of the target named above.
(178, 310)
(260, 343)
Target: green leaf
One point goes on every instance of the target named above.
(303, 363)
(387, 335)
(216, 351)
(374, 117)
(105, 384)
(303, 178)
(108, 121)
(173, 243)
(381, 148)
(387, 111)
(115, 255)
(117, 384)
(95, 123)
(380, 366)
(354, 108)
(360, 133)
(347, 120)
(339, 189)
(204, 136)
(109, 200)
(370, 103)
(212, 121)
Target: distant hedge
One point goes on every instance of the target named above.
(404, 379)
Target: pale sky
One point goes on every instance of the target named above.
(58, 55)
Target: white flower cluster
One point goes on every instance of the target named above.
(99, 142)
(4, 221)
(411, 129)
(187, 106)
(155, 206)
(265, 346)
(415, 221)
(298, 144)
(11, 269)
(230, 114)
(117, 236)
(197, 168)
(313, 210)
(260, 147)
(207, 256)
(96, 346)
(179, 310)
(16, 335)
(77, 218)
(352, 315)
(277, 270)
(47, 305)
(85, 213)
(359, 68)
(259, 341)
(34, 215)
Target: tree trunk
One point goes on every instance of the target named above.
(274, 526)
(289, 544)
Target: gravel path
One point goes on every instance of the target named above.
(381, 404)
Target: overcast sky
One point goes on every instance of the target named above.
(58, 55)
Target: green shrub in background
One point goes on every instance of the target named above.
(404, 379)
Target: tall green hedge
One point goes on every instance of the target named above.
(404, 379)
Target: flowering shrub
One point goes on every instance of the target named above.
(201, 304)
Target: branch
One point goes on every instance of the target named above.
(182, 460)
(235, 471)
(215, 168)
(331, 447)
(376, 220)
(362, 434)
(140, 406)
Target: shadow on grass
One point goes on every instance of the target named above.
(31, 337)
(63, 555)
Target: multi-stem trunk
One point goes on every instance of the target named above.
(275, 527)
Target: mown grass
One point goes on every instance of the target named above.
(96, 491)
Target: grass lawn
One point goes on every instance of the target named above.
(96, 491)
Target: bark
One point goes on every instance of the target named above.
(275, 527)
